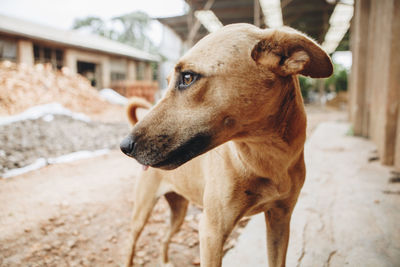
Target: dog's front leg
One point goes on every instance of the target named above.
(216, 224)
(145, 198)
(278, 228)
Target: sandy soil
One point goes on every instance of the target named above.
(78, 214)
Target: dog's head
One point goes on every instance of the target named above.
(224, 88)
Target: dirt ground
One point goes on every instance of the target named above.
(78, 214)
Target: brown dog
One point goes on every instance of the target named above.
(236, 96)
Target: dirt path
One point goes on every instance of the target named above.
(77, 214)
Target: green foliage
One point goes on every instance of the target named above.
(129, 29)
(338, 80)
(94, 25)
(134, 25)
(350, 131)
(306, 85)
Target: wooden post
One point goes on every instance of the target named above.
(393, 96)
(190, 21)
(358, 107)
(375, 90)
(194, 28)
(394, 79)
(257, 13)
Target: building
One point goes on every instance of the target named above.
(101, 60)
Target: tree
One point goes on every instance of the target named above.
(338, 81)
(94, 25)
(135, 25)
(129, 29)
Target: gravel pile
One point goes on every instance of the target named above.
(23, 142)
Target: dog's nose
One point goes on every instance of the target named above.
(127, 145)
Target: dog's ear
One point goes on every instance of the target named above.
(135, 107)
(287, 52)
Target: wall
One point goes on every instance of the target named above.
(374, 84)
(22, 51)
(71, 56)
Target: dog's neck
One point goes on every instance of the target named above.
(269, 150)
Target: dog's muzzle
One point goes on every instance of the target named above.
(159, 155)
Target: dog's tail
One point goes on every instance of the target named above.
(133, 104)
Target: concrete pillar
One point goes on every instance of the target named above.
(105, 73)
(70, 60)
(148, 73)
(131, 71)
(25, 52)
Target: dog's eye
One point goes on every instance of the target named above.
(186, 79)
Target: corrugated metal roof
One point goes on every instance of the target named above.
(71, 38)
(309, 16)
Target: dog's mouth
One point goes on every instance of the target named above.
(168, 160)
(192, 148)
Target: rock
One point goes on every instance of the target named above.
(71, 243)
(64, 203)
(84, 262)
(74, 263)
(56, 243)
(139, 261)
(196, 261)
(47, 247)
(59, 223)
(141, 253)
(193, 243)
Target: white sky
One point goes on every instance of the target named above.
(343, 57)
(61, 13)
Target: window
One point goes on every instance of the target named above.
(8, 49)
(117, 76)
(118, 68)
(88, 69)
(44, 54)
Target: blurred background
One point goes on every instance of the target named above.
(67, 68)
